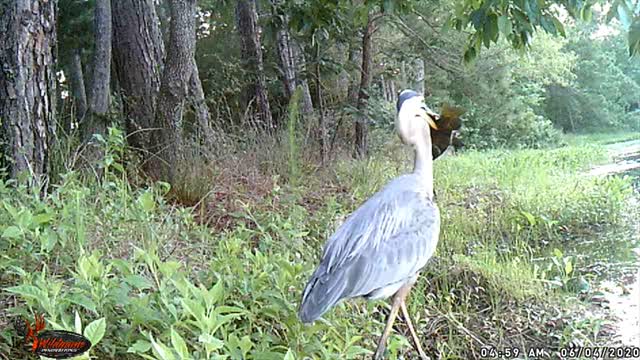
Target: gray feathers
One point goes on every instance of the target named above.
(382, 245)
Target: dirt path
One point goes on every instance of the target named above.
(623, 294)
(626, 157)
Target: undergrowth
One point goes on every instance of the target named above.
(143, 276)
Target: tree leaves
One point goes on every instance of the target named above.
(95, 331)
(625, 15)
(11, 232)
(518, 20)
(634, 38)
(504, 25)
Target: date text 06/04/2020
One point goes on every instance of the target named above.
(623, 352)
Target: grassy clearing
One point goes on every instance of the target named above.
(144, 277)
(602, 138)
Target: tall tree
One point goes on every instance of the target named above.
(291, 56)
(361, 125)
(78, 89)
(138, 53)
(249, 31)
(178, 70)
(28, 83)
(201, 109)
(101, 75)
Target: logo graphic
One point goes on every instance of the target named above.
(56, 344)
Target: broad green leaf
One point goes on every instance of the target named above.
(559, 26)
(557, 253)
(147, 202)
(28, 291)
(477, 18)
(178, 344)
(212, 342)
(625, 15)
(586, 14)
(289, 355)
(140, 346)
(95, 331)
(356, 352)
(548, 25)
(530, 218)
(43, 218)
(84, 301)
(217, 292)
(634, 38)
(469, 55)
(245, 344)
(12, 232)
(491, 29)
(139, 282)
(78, 323)
(161, 350)
(568, 267)
(532, 9)
(10, 209)
(504, 25)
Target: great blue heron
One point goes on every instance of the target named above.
(382, 246)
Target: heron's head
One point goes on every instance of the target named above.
(414, 118)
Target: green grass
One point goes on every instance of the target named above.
(602, 138)
(223, 280)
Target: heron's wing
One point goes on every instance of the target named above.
(384, 242)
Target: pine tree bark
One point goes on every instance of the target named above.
(301, 63)
(178, 70)
(361, 125)
(292, 64)
(198, 102)
(249, 31)
(101, 75)
(138, 52)
(28, 83)
(78, 90)
(418, 80)
(354, 58)
(321, 120)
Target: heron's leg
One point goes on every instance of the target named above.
(398, 299)
(412, 330)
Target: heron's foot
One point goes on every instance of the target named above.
(412, 331)
(398, 300)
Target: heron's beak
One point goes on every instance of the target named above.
(432, 123)
(431, 119)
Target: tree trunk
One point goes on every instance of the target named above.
(101, 89)
(78, 90)
(27, 83)
(361, 128)
(292, 63)
(418, 78)
(392, 90)
(287, 62)
(301, 68)
(383, 86)
(249, 30)
(178, 71)
(138, 52)
(321, 121)
(352, 91)
(200, 108)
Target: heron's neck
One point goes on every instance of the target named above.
(423, 165)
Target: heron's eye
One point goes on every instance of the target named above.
(423, 108)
